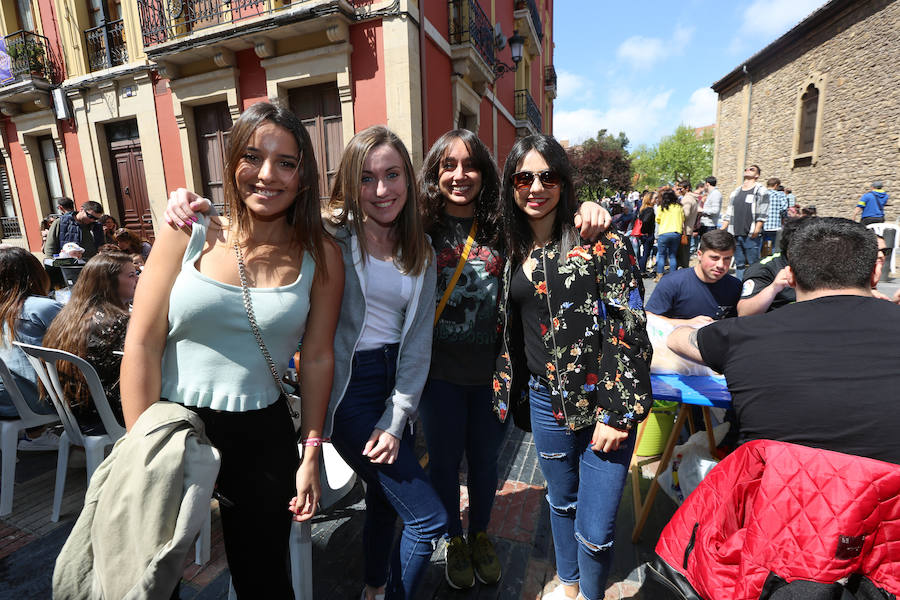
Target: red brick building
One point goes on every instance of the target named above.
(123, 101)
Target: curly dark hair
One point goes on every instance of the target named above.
(487, 213)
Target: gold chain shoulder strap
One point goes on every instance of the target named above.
(459, 267)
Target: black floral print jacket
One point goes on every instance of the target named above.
(594, 328)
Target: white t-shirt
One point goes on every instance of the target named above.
(387, 295)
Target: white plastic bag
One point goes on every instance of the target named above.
(664, 360)
(690, 463)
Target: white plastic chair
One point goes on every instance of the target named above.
(44, 362)
(879, 228)
(337, 479)
(9, 436)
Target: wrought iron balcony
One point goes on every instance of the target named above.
(527, 110)
(535, 17)
(469, 25)
(106, 45)
(30, 57)
(10, 228)
(550, 77)
(164, 20)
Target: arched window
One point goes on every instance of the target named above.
(808, 112)
(808, 123)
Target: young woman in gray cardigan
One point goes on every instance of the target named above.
(382, 355)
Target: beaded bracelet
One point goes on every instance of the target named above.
(314, 441)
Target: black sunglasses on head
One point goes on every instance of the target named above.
(523, 179)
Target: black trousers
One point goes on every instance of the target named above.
(257, 479)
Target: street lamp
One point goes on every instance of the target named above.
(516, 44)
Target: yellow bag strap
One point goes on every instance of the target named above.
(459, 267)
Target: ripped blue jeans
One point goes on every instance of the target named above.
(583, 489)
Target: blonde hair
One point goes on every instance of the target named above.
(411, 250)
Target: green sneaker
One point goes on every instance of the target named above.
(484, 559)
(458, 566)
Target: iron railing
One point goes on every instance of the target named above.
(550, 76)
(469, 25)
(10, 228)
(527, 109)
(30, 56)
(536, 18)
(106, 45)
(164, 20)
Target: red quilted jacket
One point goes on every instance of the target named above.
(798, 513)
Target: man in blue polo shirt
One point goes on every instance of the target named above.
(701, 294)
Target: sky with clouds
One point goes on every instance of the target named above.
(645, 66)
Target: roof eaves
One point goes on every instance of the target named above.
(813, 20)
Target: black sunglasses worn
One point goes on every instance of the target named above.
(90, 216)
(523, 179)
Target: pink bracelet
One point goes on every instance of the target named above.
(314, 441)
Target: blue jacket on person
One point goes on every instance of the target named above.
(873, 204)
(69, 231)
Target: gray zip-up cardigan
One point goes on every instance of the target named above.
(414, 358)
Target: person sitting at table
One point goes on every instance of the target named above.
(81, 227)
(25, 314)
(831, 373)
(706, 292)
(92, 325)
(130, 243)
(765, 285)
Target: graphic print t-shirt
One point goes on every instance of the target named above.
(464, 344)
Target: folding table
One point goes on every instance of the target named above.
(688, 390)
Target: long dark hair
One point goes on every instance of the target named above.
(411, 250)
(487, 214)
(667, 199)
(305, 215)
(21, 275)
(516, 230)
(95, 301)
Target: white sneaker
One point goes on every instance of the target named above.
(377, 596)
(558, 593)
(48, 440)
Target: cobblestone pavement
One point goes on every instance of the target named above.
(29, 542)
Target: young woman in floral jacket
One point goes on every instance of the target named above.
(574, 332)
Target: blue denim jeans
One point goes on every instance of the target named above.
(583, 489)
(459, 419)
(667, 246)
(746, 253)
(401, 488)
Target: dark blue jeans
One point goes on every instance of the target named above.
(583, 489)
(667, 246)
(746, 253)
(459, 419)
(400, 489)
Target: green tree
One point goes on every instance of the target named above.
(598, 170)
(609, 142)
(682, 155)
(601, 165)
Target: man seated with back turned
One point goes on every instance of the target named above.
(703, 293)
(831, 368)
(765, 285)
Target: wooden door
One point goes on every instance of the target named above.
(213, 126)
(131, 187)
(319, 108)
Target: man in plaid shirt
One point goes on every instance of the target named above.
(778, 202)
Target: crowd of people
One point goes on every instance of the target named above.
(458, 297)
(682, 213)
